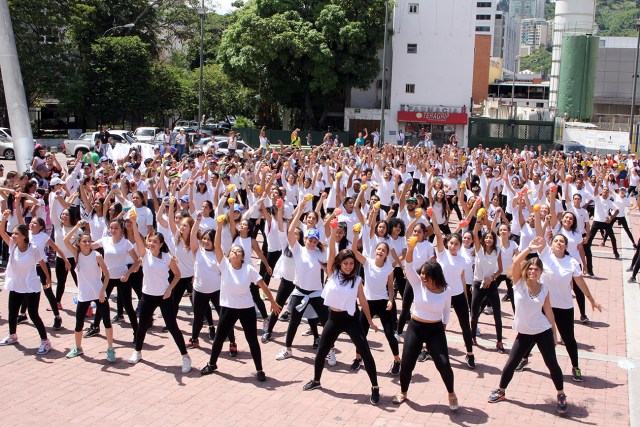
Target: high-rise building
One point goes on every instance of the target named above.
(535, 32)
(525, 9)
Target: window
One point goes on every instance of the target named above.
(410, 88)
(412, 48)
(483, 29)
(483, 17)
(483, 4)
(413, 7)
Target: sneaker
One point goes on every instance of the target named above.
(77, 351)
(471, 361)
(311, 385)
(562, 404)
(424, 356)
(506, 298)
(488, 310)
(59, 306)
(399, 398)
(165, 329)
(57, 323)
(316, 343)
(91, 331)
(208, 370)
(453, 403)
(186, 364)
(212, 332)
(136, 356)
(117, 318)
(9, 340)
(284, 354)
(22, 318)
(629, 270)
(576, 374)
(138, 311)
(284, 317)
(395, 368)
(356, 364)
(331, 358)
(307, 332)
(496, 396)
(478, 332)
(261, 376)
(89, 312)
(265, 325)
(45, 346)
(500, 348)
(631, 280)
(375, 395)
(584, 319)
(523, 363)
(111, 355)
(233, 349)
(193, 343)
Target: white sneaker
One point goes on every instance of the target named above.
(136, 356)
(10, 339)
(186, 365)
(265, 326)
(284, 354)
(488, 310)
(45, 346)
(307, 333)
(332, 357)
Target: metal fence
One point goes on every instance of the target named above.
(494, 133)
(251, 136)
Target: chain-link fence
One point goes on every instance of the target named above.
(495, 133)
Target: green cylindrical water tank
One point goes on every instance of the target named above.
(577, 76)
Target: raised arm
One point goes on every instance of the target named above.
(69, 236)
(140, 245)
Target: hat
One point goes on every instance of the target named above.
(55, 181)
(127, 165)
(237, 208)
(201, 181)
(411, 199)
(104, 159)
(185, 199)
(40, 147)
(313, 233)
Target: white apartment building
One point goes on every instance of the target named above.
(431, 73)
(535, 32)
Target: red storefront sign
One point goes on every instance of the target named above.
(433, 117)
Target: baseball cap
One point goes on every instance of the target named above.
(104, 159)
(313, 233)
(237, 208)
(185, 199)
(56, 181)
(411, 199)
(128, 164)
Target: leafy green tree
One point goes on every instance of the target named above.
(549, 10)
(539, 61)
(303, 54)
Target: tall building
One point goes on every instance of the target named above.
(525, 9)
(535, 32)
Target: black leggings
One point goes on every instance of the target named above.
(202, 308)
(228, 318)
(379, 308)
(102, 310)
(255, 293)
(479, 294)
(405, 313)
(284, 291)
(595, 227)
(337, 323)
(521, 346)
(459, 304)
(272, 259)
(33, 303)
(124, 298)
(623, 222)
(61, 275)
(135, 280)
(564, 323)
(509, 283)
(178, 291)
(434, 336)
(48, 292)
(148, 305)
(580, 299)
(296, 316)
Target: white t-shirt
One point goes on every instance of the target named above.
(428, 305)
(376, 279)
(506, 253)
(453, 268)
(308, 267)
(40, 241)
(21, 273)
(557, 275)
(234, 284)
(116, 256)
(529, 318)
(601, 208)
(206, 272)
(341, 296)
(155, 281)
(97, 226)
(469, 260)
(186, 259)
(486, 264)
(144, 219)
(89, 277)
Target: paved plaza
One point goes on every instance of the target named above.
(89, 390)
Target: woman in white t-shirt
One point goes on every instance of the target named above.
(62, 226)
(508, 251)
(21, 280)
(90, 266)
(533, 321)
(342, 290)
(156, 292)
(378, 278)
(181, 247)
(309, 259)
(236, 303)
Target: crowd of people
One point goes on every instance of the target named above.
(344, 235)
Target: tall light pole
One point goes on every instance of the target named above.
(201, 12)
(633, 96)
(117, 27)
(384, 70)
(513, 85)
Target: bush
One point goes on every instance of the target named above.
(243, 122)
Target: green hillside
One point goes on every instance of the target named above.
(617, 17)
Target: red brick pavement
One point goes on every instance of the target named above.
(90, 390)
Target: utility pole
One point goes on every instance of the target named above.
(633, 96)
(201, 12)
(15, 97)
(384, 71)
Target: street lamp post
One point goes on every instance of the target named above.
(384, 70)
(633, 96)
(117, 27)
(513, 85)
(201, 12)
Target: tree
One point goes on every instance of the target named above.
(539, 61)
(303, 54)
(549, 10)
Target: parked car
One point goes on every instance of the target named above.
(87, 141)
(183, 124)
(5, 132)
(223, 147)
(568, 147)
(6, 148)
(147, 134)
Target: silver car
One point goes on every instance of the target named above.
(6, 148)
